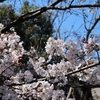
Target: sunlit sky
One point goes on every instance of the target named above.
(74, 23)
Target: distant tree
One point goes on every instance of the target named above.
(7, 14)
(33, 32)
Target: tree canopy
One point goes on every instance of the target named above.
(37, 30)
(33, 32)
(71, 67)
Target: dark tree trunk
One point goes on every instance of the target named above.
(81, 89)
(83, 93)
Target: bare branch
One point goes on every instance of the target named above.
(84, 16)
(34, 14)
(92, 27)
(28, 16)
(56, 2)
(75, 6)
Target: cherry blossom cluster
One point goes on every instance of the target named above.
(10, 50)
(42, 78)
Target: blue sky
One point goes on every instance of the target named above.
(74, 22)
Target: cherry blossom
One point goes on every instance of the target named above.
(42, 78)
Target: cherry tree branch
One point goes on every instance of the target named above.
(84, 68)
(70, 73)
(34, 14)
(27, 16)
(92, 27)
(74, 6)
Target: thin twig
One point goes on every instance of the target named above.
(92, 27)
